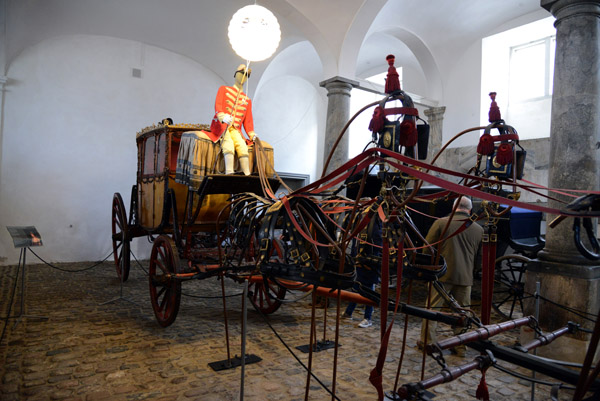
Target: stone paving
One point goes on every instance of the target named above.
(101, 342)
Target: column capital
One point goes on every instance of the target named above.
(435, 112)
(561, 9)
(338, 82)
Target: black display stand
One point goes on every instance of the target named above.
(233, 362)
(393, 396)
(24, 237)
(319, 346)
(120, 297)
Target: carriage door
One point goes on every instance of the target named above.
(160, 180)
(146, 182)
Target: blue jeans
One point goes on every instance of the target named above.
(368, 279)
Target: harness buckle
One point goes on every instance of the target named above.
(294, 253)
(485, 238)
(514, 196)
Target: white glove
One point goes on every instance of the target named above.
(254, 138)
(227, 119)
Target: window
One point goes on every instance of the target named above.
(518, 65)
(531, 70)
(379, 79)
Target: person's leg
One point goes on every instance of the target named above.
(350, 309)
(437, 302)
(352, 305)
(228, 152)
(462, 295)
(368, 312)
(369, 308)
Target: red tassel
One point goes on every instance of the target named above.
(486, 145)
(392, 83)
(504, 154)
(482, 392)
(408, 133)
(378, 120)
(494, 114)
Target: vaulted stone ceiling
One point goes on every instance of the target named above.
(198, 28)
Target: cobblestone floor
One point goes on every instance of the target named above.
(103, 343)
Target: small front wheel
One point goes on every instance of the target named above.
(165, 290)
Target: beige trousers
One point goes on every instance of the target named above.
(234, 143)
(462, 295)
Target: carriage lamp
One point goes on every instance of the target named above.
(254, 33)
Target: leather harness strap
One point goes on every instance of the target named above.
(376, 375)
(489, 242)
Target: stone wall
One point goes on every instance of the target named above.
(461, 159)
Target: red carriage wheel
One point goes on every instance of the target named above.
(267, 298)
(165, 291)
(120, 237)
(265, 294)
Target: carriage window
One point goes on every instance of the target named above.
(149, 156)
(160, 154)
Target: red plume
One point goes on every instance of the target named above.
(408, 133)
(392, 83)
(482, 392)
(494, 114)
(486, 145)
(378, 120)
(504, 154)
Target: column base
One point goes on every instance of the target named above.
(576, 287)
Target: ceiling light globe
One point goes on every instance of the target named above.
(254, 33)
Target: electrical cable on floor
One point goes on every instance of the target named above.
(71, 271)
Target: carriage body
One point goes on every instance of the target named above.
(158, 150)
(182, 202)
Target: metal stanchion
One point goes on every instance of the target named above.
(537, 317)
(24, 237)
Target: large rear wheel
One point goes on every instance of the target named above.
(120, 238)
(165, 290)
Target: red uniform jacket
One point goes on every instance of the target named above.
(241, 111)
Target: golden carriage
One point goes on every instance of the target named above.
(181, 201)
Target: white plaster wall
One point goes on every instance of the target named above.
(288, 109)
(461, 74)
(72, 110)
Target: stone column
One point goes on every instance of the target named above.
(338, 114)
(435, 119)
(565, 276)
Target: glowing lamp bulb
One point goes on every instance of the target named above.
(254, 33)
